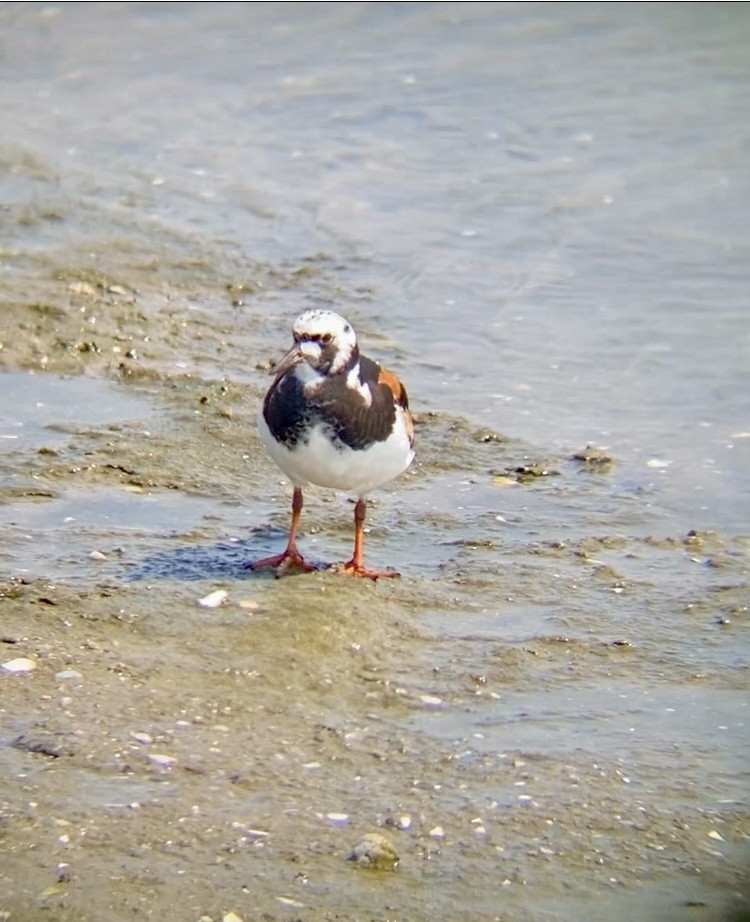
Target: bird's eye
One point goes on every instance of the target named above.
(326, 338)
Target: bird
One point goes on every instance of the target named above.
(334, 418)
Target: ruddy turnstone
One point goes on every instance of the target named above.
(337, 419)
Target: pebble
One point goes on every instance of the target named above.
(161, 761)
(716, 835)
(437, 832)
(249, 604)
(144, 738)
(21, 664)
(82, 288)
(374, 851)
(214, 599)
(231, 917)
(67, 674)
(97, 555)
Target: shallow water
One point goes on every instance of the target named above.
(537, 215)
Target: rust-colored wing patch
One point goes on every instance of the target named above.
(394, 385)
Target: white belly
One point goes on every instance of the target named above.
(355, 471)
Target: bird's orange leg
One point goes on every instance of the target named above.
(291, 557)
(355, 566)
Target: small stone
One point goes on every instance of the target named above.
(716, 835)
(591, 458)
(437, 832)
(67, 675)
(249, 604)
(214, 599)
(161, 761)
(231, 917)
(21, 664)
(82, 288)
(97, 555)
(374, 851)
(143, 738)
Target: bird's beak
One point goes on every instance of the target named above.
(292, 358)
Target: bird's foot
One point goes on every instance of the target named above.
(354, 569)
(283, 562)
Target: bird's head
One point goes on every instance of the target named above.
(323, 339)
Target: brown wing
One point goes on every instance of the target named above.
(356, 422)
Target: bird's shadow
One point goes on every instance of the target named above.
(225, 560)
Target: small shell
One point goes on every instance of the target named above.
(213, 599)
(21, 664)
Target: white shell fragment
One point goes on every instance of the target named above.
(214, 599)
(288, 901)
(21, 664)
(338, 819)
(374, 851)
(431, 701)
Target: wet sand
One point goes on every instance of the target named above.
(546, 716)
(167, 759)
